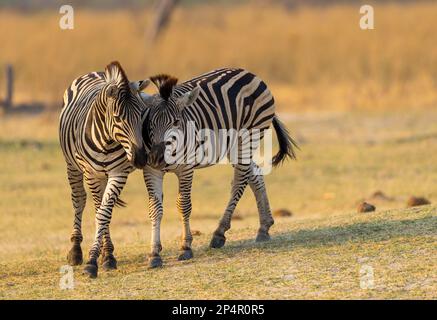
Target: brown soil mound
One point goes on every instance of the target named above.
(366, 207)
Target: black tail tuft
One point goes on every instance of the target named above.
(120, 203)
(286, 143)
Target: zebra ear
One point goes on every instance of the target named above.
(114, 73)
(188, 98)
(138, 86)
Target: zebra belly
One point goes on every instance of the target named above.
(103, 164)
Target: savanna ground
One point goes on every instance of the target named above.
(316, 253)
(362, 106)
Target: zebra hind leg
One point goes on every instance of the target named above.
(241, 177)
(78, 197)
(256, 183)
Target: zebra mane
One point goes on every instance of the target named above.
(165, 84)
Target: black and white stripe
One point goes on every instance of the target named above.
(221, 99)
(100, 136)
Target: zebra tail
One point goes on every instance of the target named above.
(286, 143)
(120, 203)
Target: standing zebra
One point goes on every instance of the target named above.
(100, 136)
(221, 99)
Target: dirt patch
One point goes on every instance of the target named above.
(365, 207)
(417, 201)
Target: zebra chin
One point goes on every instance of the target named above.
(138, 157)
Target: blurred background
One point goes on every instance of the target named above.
(362, 105)
(312, 53)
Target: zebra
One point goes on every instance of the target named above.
(100, 134)
(221, 99)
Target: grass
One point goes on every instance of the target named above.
(360, 103)
(317, 253)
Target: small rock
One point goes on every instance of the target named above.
(366, 207)
(282, 213)
(196, 233)
(417, 201)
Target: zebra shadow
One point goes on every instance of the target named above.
(373, 231)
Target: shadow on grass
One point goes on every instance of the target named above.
(374, 231)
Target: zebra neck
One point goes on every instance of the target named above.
(97, 134)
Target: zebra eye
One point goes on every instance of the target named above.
(176, 123)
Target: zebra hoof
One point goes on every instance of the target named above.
(74, 256)
(186, 255)
(217, 241)
(155, 262)
(262, 237)
(90, 270)
(109, 263)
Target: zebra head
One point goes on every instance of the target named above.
(124, 110)
(164, 120)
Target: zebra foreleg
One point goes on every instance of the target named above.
(97, 187)
(256, 183)
(184, 207)
(241, 178)
(78, 197)
(103, 219)
(153, 179)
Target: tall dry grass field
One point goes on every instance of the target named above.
(315, 57)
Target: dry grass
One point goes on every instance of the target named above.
(317, 253)
(315, 58)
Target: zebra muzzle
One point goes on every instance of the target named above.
(139, 157)
(156, 155)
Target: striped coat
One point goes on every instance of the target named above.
(101, 139)
(224, 99)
